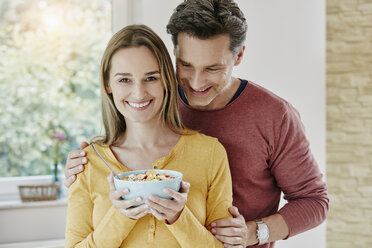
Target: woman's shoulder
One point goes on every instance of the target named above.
(196, 138)
(100, 148)
(92, 152)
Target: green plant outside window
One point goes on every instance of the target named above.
(50, 55)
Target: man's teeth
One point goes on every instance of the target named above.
(139, 105)
(201, 90)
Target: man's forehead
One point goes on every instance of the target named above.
(188, 39)
(206, 52)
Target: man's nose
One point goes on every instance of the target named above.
(196, 80)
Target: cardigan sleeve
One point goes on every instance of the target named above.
(110, 232)
(219, 199)
(297, 174)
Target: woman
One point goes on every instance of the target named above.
(143, 130)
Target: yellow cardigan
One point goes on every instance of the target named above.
(92, 221)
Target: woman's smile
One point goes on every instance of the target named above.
(139, 106)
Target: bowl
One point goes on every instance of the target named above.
(144, 189)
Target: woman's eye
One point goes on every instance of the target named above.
(149, 79)
(124, 80)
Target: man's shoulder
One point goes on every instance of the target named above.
(262, 99)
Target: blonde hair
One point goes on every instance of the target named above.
(136, 36)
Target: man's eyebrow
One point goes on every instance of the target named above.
(182, 61)
(213, 65)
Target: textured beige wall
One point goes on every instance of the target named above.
(349, 123)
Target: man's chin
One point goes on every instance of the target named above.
(199, 104)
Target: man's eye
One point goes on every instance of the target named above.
(185, 64)
(149, 79)
(212, 69)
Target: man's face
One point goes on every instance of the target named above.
(204, 70)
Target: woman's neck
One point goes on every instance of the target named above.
(146, 135)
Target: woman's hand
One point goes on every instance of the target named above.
(169, 210)
(75, 164)
(125, 206)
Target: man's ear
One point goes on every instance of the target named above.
(239, 56)
(176, 51)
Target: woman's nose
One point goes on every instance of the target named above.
(139, 91)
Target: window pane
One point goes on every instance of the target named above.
(50, 54)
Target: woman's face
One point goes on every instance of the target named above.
(136, 85)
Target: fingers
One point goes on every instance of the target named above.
(75, 162)
(233, 246)
(136, 212)
(126, 207)
(167, 209)
(73, 171)
(232, 232)
(178, 197)
(234, 211)
(230, 240)
(110, 179)
(119, 203)
(161, 205)
(117, 194)
(228, 222)
(76, 154)
(185, 187)
(69, 181)
(157, 214)
(83, 145)
(228, 231)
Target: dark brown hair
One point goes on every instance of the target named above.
(206, 18)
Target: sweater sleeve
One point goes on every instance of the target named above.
(298, 175)
(219, 199)
(110, 232)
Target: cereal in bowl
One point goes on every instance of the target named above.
(150, 175)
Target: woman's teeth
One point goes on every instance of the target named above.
(138, 105)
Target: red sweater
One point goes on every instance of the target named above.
(268, 154)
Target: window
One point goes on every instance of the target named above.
(50, 53)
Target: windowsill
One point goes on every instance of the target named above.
(17, 204)
(54, 243)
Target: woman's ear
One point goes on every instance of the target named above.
(108, 89)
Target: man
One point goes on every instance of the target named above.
(262, 133)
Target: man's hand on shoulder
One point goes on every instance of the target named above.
(234, 232)
(75, 164)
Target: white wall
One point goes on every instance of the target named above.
(285, 52)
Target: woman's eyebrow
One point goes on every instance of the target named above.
(122, 74)
(152, 72)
